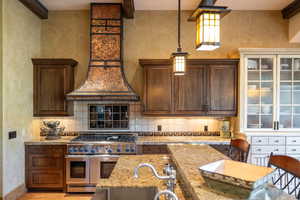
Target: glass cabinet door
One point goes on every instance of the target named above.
(289, 87)
(260, 87)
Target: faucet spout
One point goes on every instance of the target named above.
(171, 195)
(136, 171)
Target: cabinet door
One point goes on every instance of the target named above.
(157, 90)
(45, 167)
(260, 86)
(190, 91)
(222, 90)
(51, 85)
(289, 92)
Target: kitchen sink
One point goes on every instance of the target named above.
(125, 193)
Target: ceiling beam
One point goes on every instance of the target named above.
(128, 8)
(36, 7)
(291, 10)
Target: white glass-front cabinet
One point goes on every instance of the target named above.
(270, 102)
(271, 92)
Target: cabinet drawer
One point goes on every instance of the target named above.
(259, 140)
(268, 149)
(293, 140)
(277, 140)
(45, 179)
(293, 149)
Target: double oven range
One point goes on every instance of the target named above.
(92, 157)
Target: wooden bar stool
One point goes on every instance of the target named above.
(287, 173)
(239, 150)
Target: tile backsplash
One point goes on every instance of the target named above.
(137, 122)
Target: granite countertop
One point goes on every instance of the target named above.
(122, 175)
(182, 140)
(183, 157)
(151, 140)
(43, 141)
(188, 158)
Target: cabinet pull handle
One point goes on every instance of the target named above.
(294, 141)
(276, 141)
(294, 150)
(277, 124)
(259, 140)
(258, 149)
(276, 149)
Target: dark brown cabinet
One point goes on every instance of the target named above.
(53, 79)
(158, 89)
(45, 168)
(222, 90)
(209, 88)
(189, 91)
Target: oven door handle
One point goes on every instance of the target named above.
(92, 156)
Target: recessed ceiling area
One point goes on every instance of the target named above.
(170, 4)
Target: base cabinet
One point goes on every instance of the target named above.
(152, 149)
(45, 167)
(263, 146)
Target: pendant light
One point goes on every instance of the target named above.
(179, 57)
(208, 17)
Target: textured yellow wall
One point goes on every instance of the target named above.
(1, 96)
(294, 28)
(153, 34)
(21, 42)
(66, 35)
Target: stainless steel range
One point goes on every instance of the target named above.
(92, 157)
(95, 144)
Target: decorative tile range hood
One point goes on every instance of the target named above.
(106, 80)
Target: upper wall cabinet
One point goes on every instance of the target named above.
(53, 79)
(209, 88)
(270, 90)
(158, 89)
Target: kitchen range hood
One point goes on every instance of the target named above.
(106, 80)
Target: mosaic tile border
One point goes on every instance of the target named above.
(148, 133)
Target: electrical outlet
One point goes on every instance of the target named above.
(205, 128)
(159, 127)
(12, 134)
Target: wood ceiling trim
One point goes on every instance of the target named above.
(36, 7)
(291, 10)
(128, 8)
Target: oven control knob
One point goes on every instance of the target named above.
(119, 148)
(71, 149)
(81, 149)
(98, 149)
(132, 149)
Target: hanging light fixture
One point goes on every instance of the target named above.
(179, 57)
(208, 17)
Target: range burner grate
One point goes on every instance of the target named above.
(105, 138)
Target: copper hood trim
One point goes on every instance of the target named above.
(106, 78)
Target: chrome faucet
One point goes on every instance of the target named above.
(170, 195)
(170, 176)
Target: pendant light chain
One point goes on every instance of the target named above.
(179, 24)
